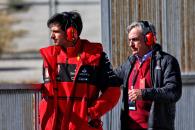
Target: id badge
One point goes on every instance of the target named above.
(142, 84)
(132, 105)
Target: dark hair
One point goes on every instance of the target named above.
(67, 19)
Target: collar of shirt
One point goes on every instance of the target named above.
(144, 58)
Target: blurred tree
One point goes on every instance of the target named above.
(6, 32)
(18, 5)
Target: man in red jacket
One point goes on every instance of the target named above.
(79, 83)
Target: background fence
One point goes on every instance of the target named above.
(19, 107)
(174, 21)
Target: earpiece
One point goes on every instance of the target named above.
(70, 28)
(149, 36)
(71, 33)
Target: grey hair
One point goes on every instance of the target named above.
(142, 27)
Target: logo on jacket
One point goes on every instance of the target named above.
(83, 75)
(87, 74)
(84, 72)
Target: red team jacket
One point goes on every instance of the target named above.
(73, 80)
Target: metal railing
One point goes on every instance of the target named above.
(19, 107)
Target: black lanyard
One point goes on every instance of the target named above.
(135, 74)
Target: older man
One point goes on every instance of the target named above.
(151, 82)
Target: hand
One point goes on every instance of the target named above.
(95, 123)
(93, 120)
(135, 94)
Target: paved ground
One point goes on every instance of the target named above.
(20, 69)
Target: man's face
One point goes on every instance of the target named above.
(137, 43)
(59, 36)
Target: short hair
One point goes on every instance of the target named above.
(143, 27)
(67, 19)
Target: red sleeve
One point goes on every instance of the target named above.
(105, 102)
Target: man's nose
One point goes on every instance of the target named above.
(52, 35)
